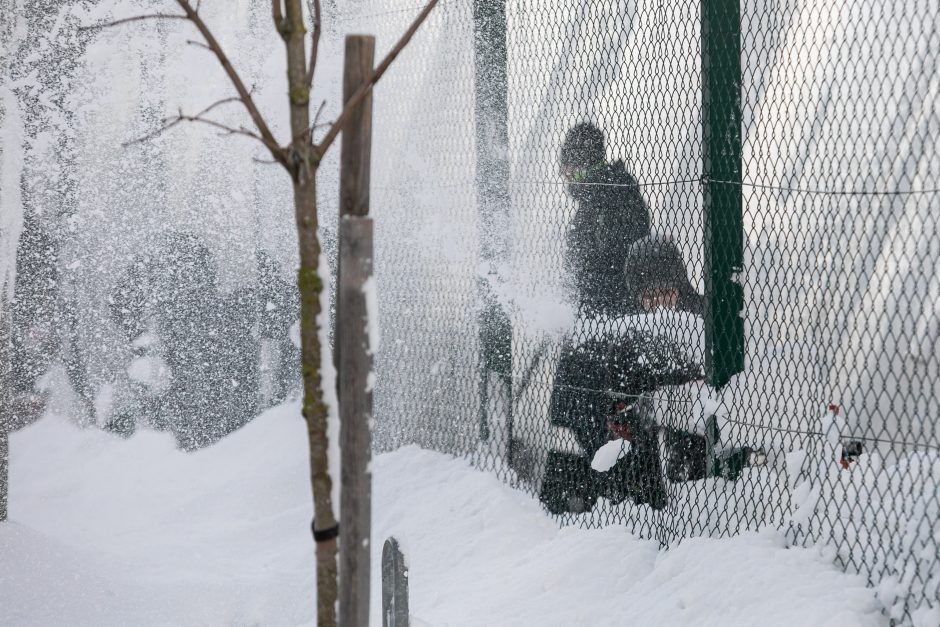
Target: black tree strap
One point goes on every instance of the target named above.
(325, 535)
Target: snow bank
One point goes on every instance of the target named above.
(481, 554)
(133, 532)
(106, 531)
(885, 510)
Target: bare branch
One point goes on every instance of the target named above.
(356, 99)
(198, 44)
(315, 43)
(316, 118)
(218, 103)
(226, 130)
(308, 134)
(267, 138)
(135, 18)
(277, 14)
(169, 123)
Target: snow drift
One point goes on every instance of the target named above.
(105, 531)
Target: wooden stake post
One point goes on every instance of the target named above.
(354, 356)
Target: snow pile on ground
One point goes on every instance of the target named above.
(886, 510)
(105, 531)
(482, 554)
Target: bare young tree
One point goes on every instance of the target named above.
(300, 158)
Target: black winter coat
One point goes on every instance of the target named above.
(593, 375)
(611, 216)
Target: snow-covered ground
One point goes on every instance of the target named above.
(105, 531)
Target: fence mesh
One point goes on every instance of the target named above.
(733, 269)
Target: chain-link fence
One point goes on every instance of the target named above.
(711, 309)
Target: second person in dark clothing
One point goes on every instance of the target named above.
(606, 375)
(611, 216)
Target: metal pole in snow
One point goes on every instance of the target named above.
(493, 199)
(721, 156)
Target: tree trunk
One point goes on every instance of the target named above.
(314, 408)
(304, 163)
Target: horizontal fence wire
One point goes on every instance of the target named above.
(824, 192)
(707, 228)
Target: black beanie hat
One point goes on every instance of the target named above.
(583, 146)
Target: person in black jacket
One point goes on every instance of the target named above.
(611, 216)
(606, 388)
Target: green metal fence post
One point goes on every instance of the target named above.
(492, 183)
(721, 152)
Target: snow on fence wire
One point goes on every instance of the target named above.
(829, 430)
